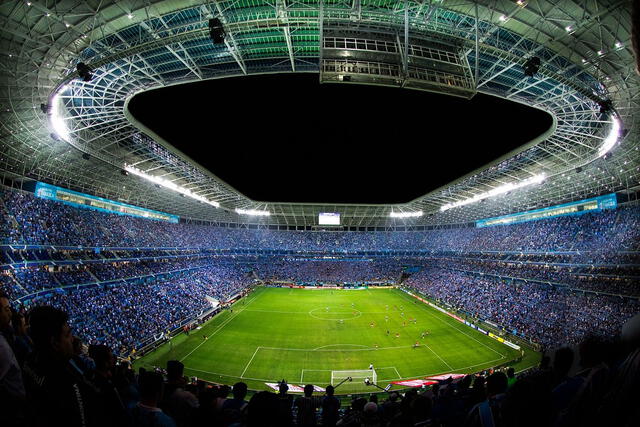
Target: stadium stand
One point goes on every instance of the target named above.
(82, 288)
(529, 278)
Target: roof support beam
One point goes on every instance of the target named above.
(232, 46)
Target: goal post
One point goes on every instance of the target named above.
(358, 378)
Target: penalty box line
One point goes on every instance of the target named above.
(331, 370)
(401, 378)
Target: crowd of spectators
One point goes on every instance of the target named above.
(311, 271)
(469, 269)
(49, 377)
(47, 222)
(594, 251)
(125, 315)
(549, 315)
(611, 279)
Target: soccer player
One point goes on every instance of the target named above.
(387, 332)
(370, 365)
(417, 344)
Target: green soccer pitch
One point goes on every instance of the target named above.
(302, 335)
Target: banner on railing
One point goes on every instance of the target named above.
(294, 388)
(445, 377)
(502, 340)
(414, 383)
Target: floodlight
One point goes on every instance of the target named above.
(532, 66)
(612, 138)
(252, 212)
(84, 72)
(415, 214)
(216, 31)
(57, 119)
(161, 182)
(536, 179)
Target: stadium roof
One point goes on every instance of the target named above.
(61, 129)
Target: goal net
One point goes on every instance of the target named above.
(358, 379)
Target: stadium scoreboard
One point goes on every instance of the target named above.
(329, 218)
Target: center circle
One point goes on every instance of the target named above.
(331, 314)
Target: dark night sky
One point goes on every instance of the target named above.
(287, 138)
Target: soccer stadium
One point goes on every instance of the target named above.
(137, 288)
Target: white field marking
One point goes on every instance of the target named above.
(355, 349)
(334, 345)
(459, 330)
(397, 373)
(280, 312)
(222, 325)
(401, 378)
(336, 370)
(231, 376)
(333, 370)
(443, 361)
(306, 312)
(338, 313)
(249, 363)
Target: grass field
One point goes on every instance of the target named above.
(301, 335)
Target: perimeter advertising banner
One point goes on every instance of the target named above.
(414, 383)
(459, 319)
(294, 388)
(86, 201)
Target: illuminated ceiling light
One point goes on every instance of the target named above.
(521, 3)
(503, 18)
(536, 179)
(170, 185)
(28, 3)
(612, 138)
(415, 214)
(601, 52)
(130, 16)
(66, 24)
(619, 45)
(252, 212)
(57, 120)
